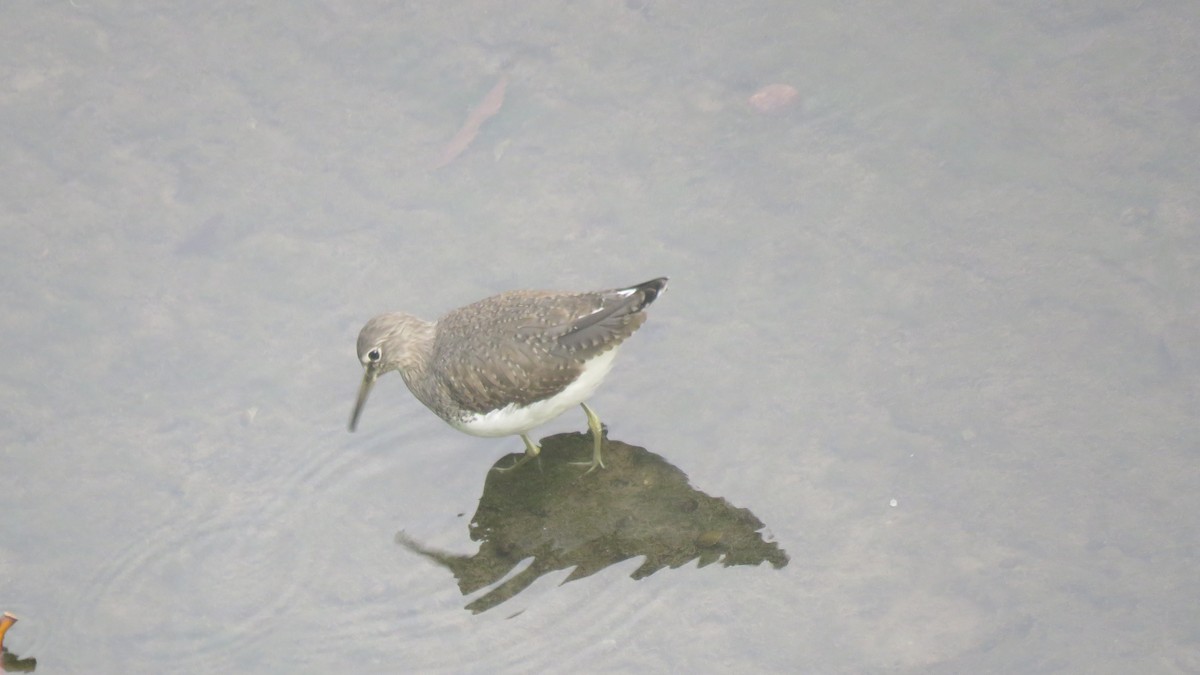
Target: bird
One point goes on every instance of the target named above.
(507, 364)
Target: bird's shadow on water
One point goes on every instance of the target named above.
(639, 505)
(11, 663)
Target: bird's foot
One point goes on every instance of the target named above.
(531, 450)
(590, 465)
(519, 462)
(597, 430)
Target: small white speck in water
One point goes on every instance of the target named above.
(893, 503)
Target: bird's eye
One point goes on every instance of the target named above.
(374, 355)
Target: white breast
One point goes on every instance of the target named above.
(511, 420)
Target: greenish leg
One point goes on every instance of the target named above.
(531, 451)
(597, 440)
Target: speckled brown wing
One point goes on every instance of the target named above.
(526, 346)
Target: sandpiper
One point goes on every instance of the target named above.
(510, 363)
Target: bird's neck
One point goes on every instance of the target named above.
(416, 359)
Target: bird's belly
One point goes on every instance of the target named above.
(511, 420)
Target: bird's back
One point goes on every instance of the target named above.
(525, 346)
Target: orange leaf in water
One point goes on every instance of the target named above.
(490, 105)
(774, 98)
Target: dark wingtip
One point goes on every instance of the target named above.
(651, 289)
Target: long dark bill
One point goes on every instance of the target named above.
(364, 390)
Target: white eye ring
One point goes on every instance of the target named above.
(374, 355)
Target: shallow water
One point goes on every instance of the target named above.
(934, 328)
